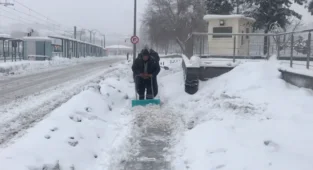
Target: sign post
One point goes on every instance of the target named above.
(134, 40)
(135, 29)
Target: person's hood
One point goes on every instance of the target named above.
(145, 52)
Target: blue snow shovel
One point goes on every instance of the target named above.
(147, 101)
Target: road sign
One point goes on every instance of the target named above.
(134, 39)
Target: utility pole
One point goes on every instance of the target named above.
(94, 37)
(90, 36)
(6, 3)
(135, 28)
(103, 41)
(75, 32)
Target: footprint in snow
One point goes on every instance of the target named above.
(54, 129)
(110, 108)
(220, 166)
(220, 150)
(90, 117)
(72, 141)
(112, 86)
(47, 136)
(126, 97)
(88, 109)
(76, 119)
(274, 146)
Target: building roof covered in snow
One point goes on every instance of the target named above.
(118, 47)
(37, 38)
(237, 16)
(5, 36)
(72, 39)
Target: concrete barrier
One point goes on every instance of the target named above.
(297, 79)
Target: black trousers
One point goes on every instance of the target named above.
(155, 86)
(144, 85)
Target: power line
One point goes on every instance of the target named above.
(28, 21)
(29, 15)
(13, 19)
(6, 3)
(38, 13)
(44, 20)
(32, 10)
(17, 16)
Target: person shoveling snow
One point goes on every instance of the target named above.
(145, 70)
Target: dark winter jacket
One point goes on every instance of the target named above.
(138, 66)
(155, 56)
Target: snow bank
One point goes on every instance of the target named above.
(298, 70)
(82, 133)
(248, 118)
(193, 62)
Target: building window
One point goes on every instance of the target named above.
(222, 30)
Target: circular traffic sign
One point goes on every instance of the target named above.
(134, 39)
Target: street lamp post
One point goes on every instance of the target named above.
(135, 24)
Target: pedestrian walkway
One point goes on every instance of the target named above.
(151, 142)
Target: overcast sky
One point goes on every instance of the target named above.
(112, 17)
(109, 16)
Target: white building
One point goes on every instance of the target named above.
(223, 45)
(118, 50)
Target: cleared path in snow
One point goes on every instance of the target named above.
(151, 139)
(152, 149)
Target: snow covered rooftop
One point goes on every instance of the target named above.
(118, 47)
(72, 39)
(214, 17)
(38, 38)
(5, 36)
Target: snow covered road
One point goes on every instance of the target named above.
(11, 89)
(26, 100)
